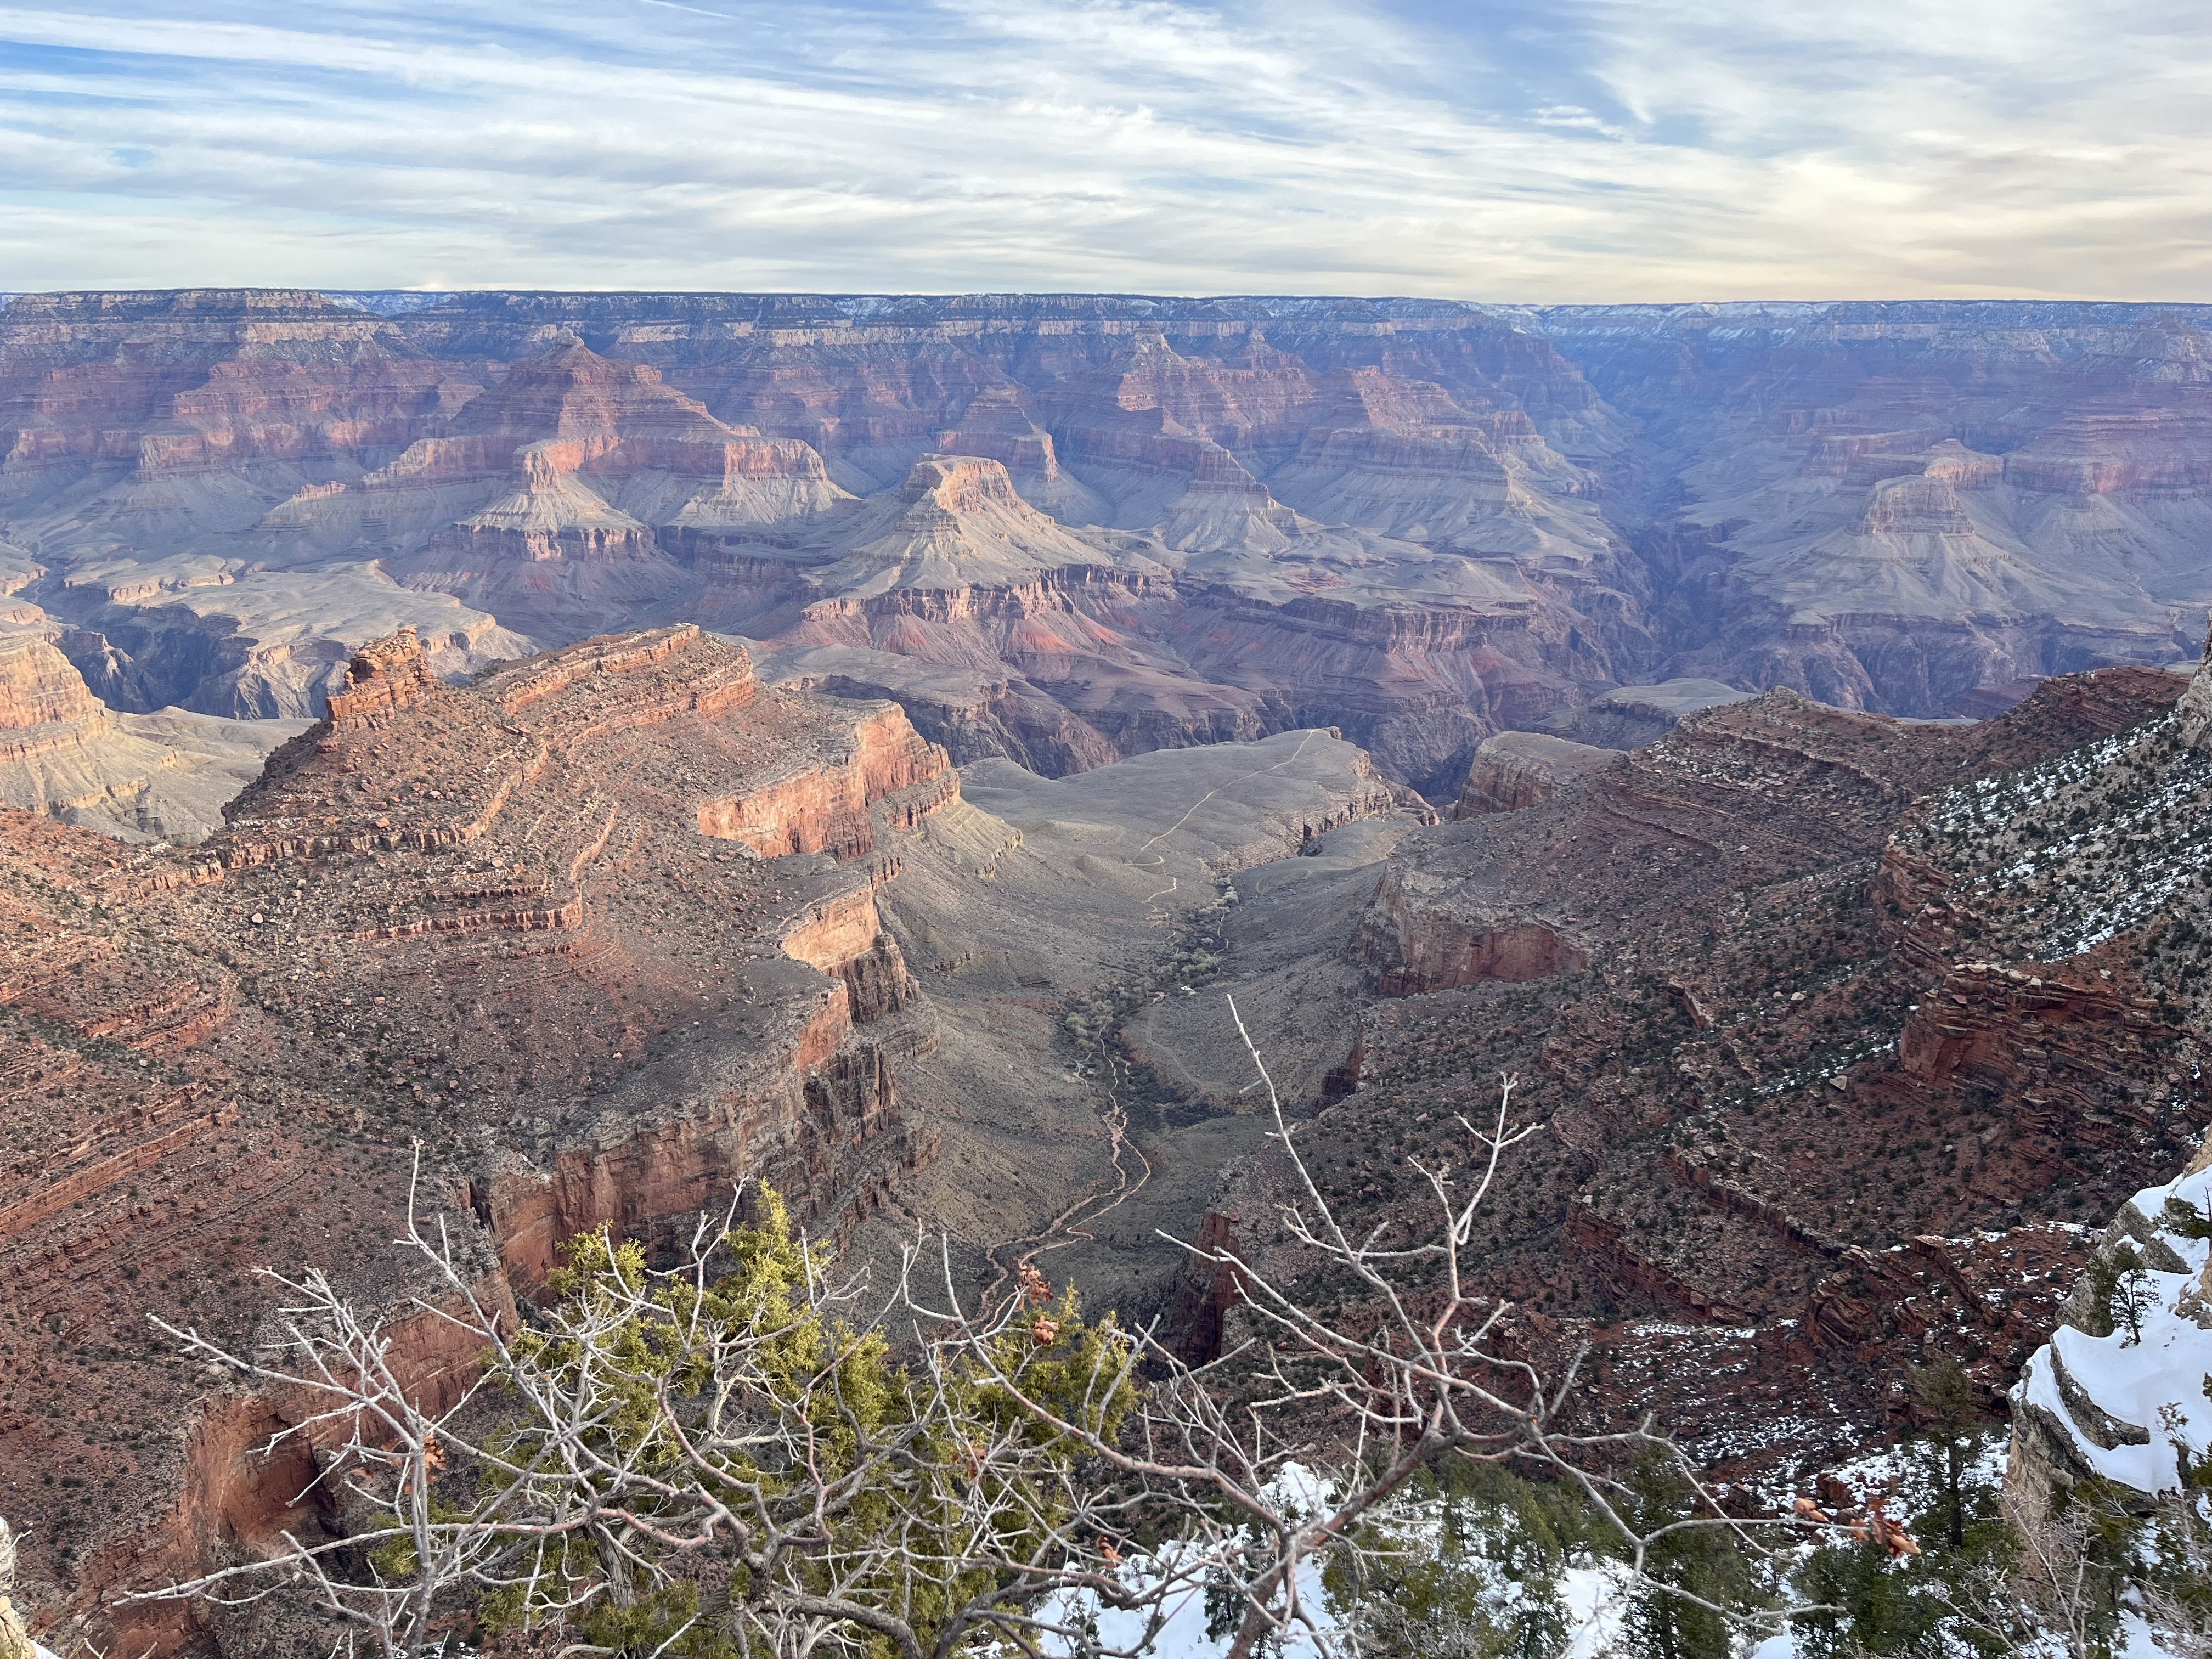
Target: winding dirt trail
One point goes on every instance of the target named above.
(1074, 1224)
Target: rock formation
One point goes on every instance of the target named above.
(2193, 713)
(1515, 769)
(1421, 522)
(2118, 1392)
(490, 910)
(610, 930)
(1835, 1022)
(1888, 505)
(1817, 1102)
(163, 775)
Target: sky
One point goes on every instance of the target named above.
(1577, 151)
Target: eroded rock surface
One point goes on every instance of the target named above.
(1515, 769)
(608, 931)
(1889, 505)
(164, 775)
(1818, 1100)
(485, 916)
(1067, 529)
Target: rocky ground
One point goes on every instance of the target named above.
(610, 930)
(1811, 1109)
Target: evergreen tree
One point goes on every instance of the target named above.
(1954, 1425)
(1698, 1576)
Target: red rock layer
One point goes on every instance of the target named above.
(1794, 1137)
(484, 918)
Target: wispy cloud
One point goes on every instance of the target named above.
(1586, 149)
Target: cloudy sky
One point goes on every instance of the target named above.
(1578, 150)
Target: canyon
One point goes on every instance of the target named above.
(599, 938)
(609, 934)
(582, 756)
(1067, 529)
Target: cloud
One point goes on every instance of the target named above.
(1586, 151)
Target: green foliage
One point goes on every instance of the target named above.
(1701, 1577)
(1953, 1426)
(2185, 1221)
(2128, 1294)
(745, 1392)
(1469, 1568)
(1886, 1607)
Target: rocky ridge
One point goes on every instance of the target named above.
(1065, 529)
(1806, 1119)
(607, 932)
(448, 913)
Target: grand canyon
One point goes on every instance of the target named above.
(583, 753)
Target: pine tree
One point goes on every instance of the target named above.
(1703, 1563)
(1953, 1423)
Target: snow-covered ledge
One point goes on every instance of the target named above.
(2123, 1405)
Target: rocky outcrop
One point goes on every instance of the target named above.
(822, 807)
(383, 674)
(1789, 1140)
(45, 705)
(142, 777)
(2117, 1394)
(1208, 1287)
(2193, 713)
(482, 917)
(1515, 769)
(1423, 935)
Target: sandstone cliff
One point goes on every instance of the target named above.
(1421, 522)
(142, 777)
(483, 915)
(1515, 769)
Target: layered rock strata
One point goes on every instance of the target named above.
(62, 752)
(1070, 551)
(1421, 522)
(1892, 504)
(486, 917)
(1816, 1100)
(1515, 769)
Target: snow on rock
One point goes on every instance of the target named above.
(2122, 1405)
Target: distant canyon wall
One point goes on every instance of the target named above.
(1065, 529)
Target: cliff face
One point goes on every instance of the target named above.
(1422, 522)
(2193, 715)
(64, 753)
(45, 704)
(485, 916)
(1515, 769)
(1888, 505)
(1824, 1082)
(701, 457)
